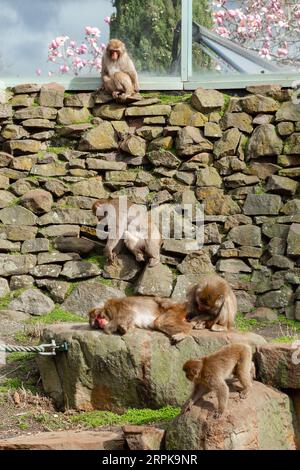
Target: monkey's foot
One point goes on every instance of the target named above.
(218, 328)
(140, 257)
(217, 414)
(153, 262)
(187, 406)
(243, 394)
(200, 325)
(179, 337)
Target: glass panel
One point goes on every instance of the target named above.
(150, 29)
(29, 27)
(245, 36)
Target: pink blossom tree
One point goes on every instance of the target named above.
(68, 56)
(269, 27)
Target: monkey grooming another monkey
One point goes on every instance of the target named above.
(118, 72)
(130, 224)
(210, 373)
(213, 301)
(121, 314)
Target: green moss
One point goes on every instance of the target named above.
(5, 301)
(175, 272)
(129, 290)
(284, 339)
(56, 316)
(106, 282)
(93, 419)
(52, 422)
(10, 384)
(246, 277)
(23, 361)
(259, 188)
(244, 324)
(14, 202)
(72, 286)
(21, 337)
(294, 324)
(23, 426)
(227, 99)
(168, 98)
(97, 259)
(56, 150)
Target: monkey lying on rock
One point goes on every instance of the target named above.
(121, 314)
(210, 373)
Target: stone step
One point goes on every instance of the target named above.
(66, 440)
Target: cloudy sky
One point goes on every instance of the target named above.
(28, 26)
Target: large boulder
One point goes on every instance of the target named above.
(66, 440)
(139, 369)
(278, 365)
(32, 301)
(263, 421)
(87, 295)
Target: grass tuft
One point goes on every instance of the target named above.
(93, 419)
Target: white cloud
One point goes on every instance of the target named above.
(28, 27)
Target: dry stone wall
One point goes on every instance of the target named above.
(239, 156)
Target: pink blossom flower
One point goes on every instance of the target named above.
(222, 31)
(265, 52)
(107, 19)
(232, 13)
(38, 72)
(73, 44)
(50, 73)
(70, 52)
(297, 14)
(97, 63)
(64, 68)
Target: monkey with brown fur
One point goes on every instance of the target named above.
(213, 301)
(210, 373)
(121, 314)
(130, 224)
(119, 76)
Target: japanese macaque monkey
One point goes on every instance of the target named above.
(130, 224)
(118, 73)
(121, 314)
(210, 373)
(212, 301)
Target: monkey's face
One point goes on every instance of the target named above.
(97, 318)
(192, 369)
(115, 49)
(207, 302)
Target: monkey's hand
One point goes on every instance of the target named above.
(140, 257)
(217, 414)
(243, 394)
(187, 406)
(153, 262)
(216, 327)
(199, 325)
(178, 337)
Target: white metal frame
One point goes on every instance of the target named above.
(183, 82)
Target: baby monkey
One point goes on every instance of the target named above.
(210, 373)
